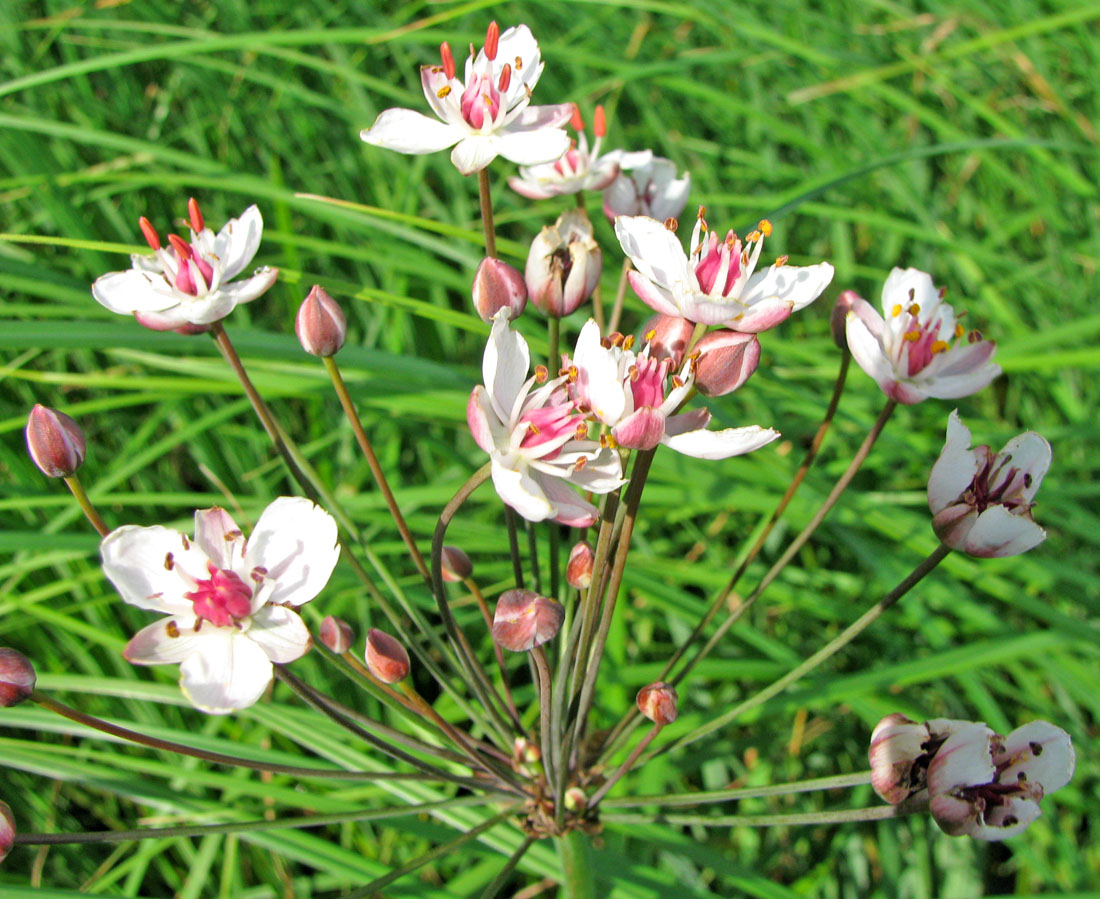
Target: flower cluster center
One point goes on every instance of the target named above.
(223, 599)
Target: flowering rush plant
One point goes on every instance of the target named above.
(501, 657)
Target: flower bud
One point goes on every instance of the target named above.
(386, 657)
(526, 751)
(337, 634)
(497, 285)
(563, 265)
(658, 703)
(456, 564)
(55, 442)
(321, 325)
(838, 320)
(726, 361)
(668, 336)
(524, 620)
(7, 830)
(578, 572)
(16, 677)
(576, 800)
(896, 745)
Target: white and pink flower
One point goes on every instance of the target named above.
(230, 601)
(980, 500)
(577, 169)
(535, 437)
(488, 114)
(646, 185)
(637, 395)
(917, 348)
(716, 282)
(187, 283)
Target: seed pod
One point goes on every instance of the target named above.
(658, 703)
(337, 634)
(17, 677)
(386, 657)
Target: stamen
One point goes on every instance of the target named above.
(581, 431)
(959, 329)
(172, 629)
(974, 336)
(505, 78)
(583, 461)
(896, 311)
(572, 372)
(633, 373)
(448, 60)
(541, 373)
(599, 126)
(186, 542)
(151, 236)
(765, 227)
(182, 248)
(752, 237)
(939, 346)
(912, 294)
(914, 309)
(702, 214)
(1036, 748)
(628, 342)
(195, 215)
(781, 261)
(650, 334)
(943, 292)
(444, 91)
(533, 428)
(492, 39)
(677, 381)
(169, 562)
(576, 122)
(672, 224)
(912, 336)
(519, 63)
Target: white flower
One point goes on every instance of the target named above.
(918, 349)
(187, 283)
(646, 185)
(626, 391)
(575, 170)
(714, 283)
(229, 600)
(981, 501)
(535, 436)
(486, 115)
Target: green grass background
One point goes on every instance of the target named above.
(960, 138)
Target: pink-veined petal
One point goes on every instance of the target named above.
(964, 760)
(762, 316)
(217, 535)
(904, 286)
(541, 118)
(165, 642)
(520, 491)
(998, 532)
(504, 366)
(433, 80)
(654, 250)
(295, 541)
(653, 295)
(228, 671)
(570, 508)
(794, 284)
(408, 131)
(703, 444)
(479, 417)
(249, 289)
(1042, 752)
(867, 350)
(1009, 819)
(238, 242)
(168, 320)
(281, 634)
(955, 468)
(133, 291)
(599, 385)
(1030, 453)
(146, 565)
(642, 429)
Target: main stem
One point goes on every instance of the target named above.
(73, 483)
(487, 213)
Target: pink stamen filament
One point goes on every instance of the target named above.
(718, 257)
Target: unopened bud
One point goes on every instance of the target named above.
(726, 360)
(563, 264)
(527, 751)
(7, 830)
(386, 657)
(456, 564)
(337, 634)
(576, 800)
(16, 677)
(668, 336)
(321, 325)
(497, 285)
(658, 703)
(896, 745)
(579, 570)
(55, 442)
(524, 620)
(838, 320)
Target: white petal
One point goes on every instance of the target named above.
(281, 634)
(601, 474)
(1031, 454)
(703, 444)
(540, 118)
(504, 366)
(529, 147)
(998, 532)
(520, 491)
(474, 152)
(433, 79)
(798, 285)
(867, 350)
(964, 760)
(481, 418)
(238, 242)
(956, 467)
(909, 285)
(217, 535)
(408, 131)
(570, 508)
(1019, 812)
(599, 385)
(1052, 767)
(133, 291)
(145, 565)
(246, 291)
(168, 641)
(654, 250)
(296, 542)
(954, 387)
(226, 672)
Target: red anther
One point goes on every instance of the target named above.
(492, 39)
(195, 214)
(505, 78)
(151, 236)
(182, 248)
(448, 60)
(600, 123)
(577, 122)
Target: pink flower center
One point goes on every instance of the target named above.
(222, 600)
(480, 98)
(719, 264)
(548, 424)
(186, 256)
(647, 382)
(572, 159)
(998, 483)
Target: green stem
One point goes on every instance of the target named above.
(513, 546)
(843, 816)
(594, 800)
(487, 213)
(73, 483)
(704, 797)
(550, 740)
(620, 296)
(499, 882)
(577, 877)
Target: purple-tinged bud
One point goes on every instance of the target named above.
(321, 325)
(524, 620)
(668, 336)
(456, 564)
(16, 677)
(7, 830)
(897, 743)
(337, 634)
(726, 360)
(55, 442)
(526, 751)
(578, 572)
(497, 285)
(386, 657)
(838, 320)
(658, 703)
(563, 265)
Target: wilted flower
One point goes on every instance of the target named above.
(229, 600)
(320, 324)
(386, 658)
(188, 283)
(725, 360)
(524, 620)
(980, 500)
(17, 677)
(714, 283)
(626, 391)
(55, 442)
(657, 702)
(899, 756)
(920, 349)
(535, 436)
(578, 571)
(336, 634)
(487, 115)
(989, 786)
(497, 285)
(646, 185)
(577, 169)
(563, 264)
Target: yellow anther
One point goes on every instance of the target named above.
(765, 227)
(487, 100)
(572, 372)
(628, 342)
(912, 336)
(702, 213)
(169, 562)
(581, 462)
(744, 258)
(607, 442)
(581, 430)
(914, 309)
(443, 91)
(672, 224)
(541, 373)
(518, 63)
(781, 260)
(896, 311)
(959, 330)
(533, 428)
(650, 334)
(172, 629)
(940, 346)
(633, 373)
(731, 241)
(677, 381)
(752, 236)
